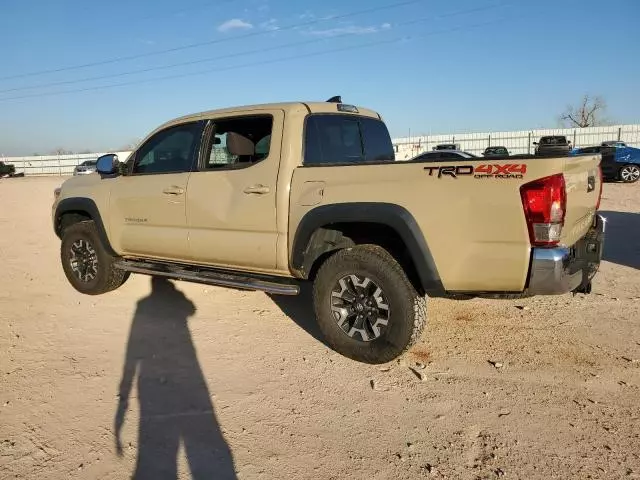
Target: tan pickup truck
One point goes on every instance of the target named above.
(266, 197)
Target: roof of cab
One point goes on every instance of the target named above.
(312, 107)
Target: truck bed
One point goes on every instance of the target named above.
(469, 212)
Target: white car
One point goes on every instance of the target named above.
(85, 168)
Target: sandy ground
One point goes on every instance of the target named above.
(224, 384)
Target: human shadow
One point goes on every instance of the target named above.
(622, 238)
(299, 308)
(175, 404)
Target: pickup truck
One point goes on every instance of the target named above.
(7, 170)
(268, 197)
(552, 145)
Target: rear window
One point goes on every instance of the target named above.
(346, 139)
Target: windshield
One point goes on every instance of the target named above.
(553, 140)
(497, 150)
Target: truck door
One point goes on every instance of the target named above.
(231, 198)
(147, 206)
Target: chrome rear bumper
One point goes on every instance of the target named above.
(555, 271)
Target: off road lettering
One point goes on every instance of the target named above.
(507, 170)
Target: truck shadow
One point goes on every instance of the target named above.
(173, 397)
(622, 241)
(299, 308)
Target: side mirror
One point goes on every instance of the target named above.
(108, 164)
(535, 143)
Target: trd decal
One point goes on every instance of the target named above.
(451, 171)
(508, 170)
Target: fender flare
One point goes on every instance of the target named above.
(305, 249)
(84, 205)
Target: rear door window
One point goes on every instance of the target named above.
(339, 139)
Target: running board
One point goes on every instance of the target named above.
(211, 276)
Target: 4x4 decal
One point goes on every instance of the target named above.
(507, 170)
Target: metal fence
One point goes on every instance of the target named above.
(52, 165)
(517, 142)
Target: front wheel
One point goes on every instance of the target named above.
(365, 305)
(86, 263)
(630, 173)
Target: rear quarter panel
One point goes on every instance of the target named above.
(474, 226)
(581, 203)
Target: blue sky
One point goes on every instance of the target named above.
(432, 66)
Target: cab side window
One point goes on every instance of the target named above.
(170, 151)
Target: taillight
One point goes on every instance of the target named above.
(601, 182)
(545, 204)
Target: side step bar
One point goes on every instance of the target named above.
(212, 276)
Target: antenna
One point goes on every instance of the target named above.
(336, 99)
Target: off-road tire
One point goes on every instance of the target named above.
(107, 276)
(407, 308)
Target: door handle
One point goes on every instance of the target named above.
(257, 189)
(173, 190)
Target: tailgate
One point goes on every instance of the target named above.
(582, 178)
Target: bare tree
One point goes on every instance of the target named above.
(589, 113)
(61, 151)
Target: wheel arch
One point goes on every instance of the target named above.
(328, 228)
(77, 209)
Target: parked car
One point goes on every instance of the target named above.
(619, 162)
(447, 146)
(326, 203)
(613, 143)
(495, 152)
(442, 156)
(552, 145)
(7, 170)
(85, 167)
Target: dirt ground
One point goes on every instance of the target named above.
(224, 384)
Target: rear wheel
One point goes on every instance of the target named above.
(86, 263)
(365, 305)
(630, 173)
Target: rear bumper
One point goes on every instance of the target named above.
(555, 271)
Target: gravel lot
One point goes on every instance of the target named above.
(226, 384)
